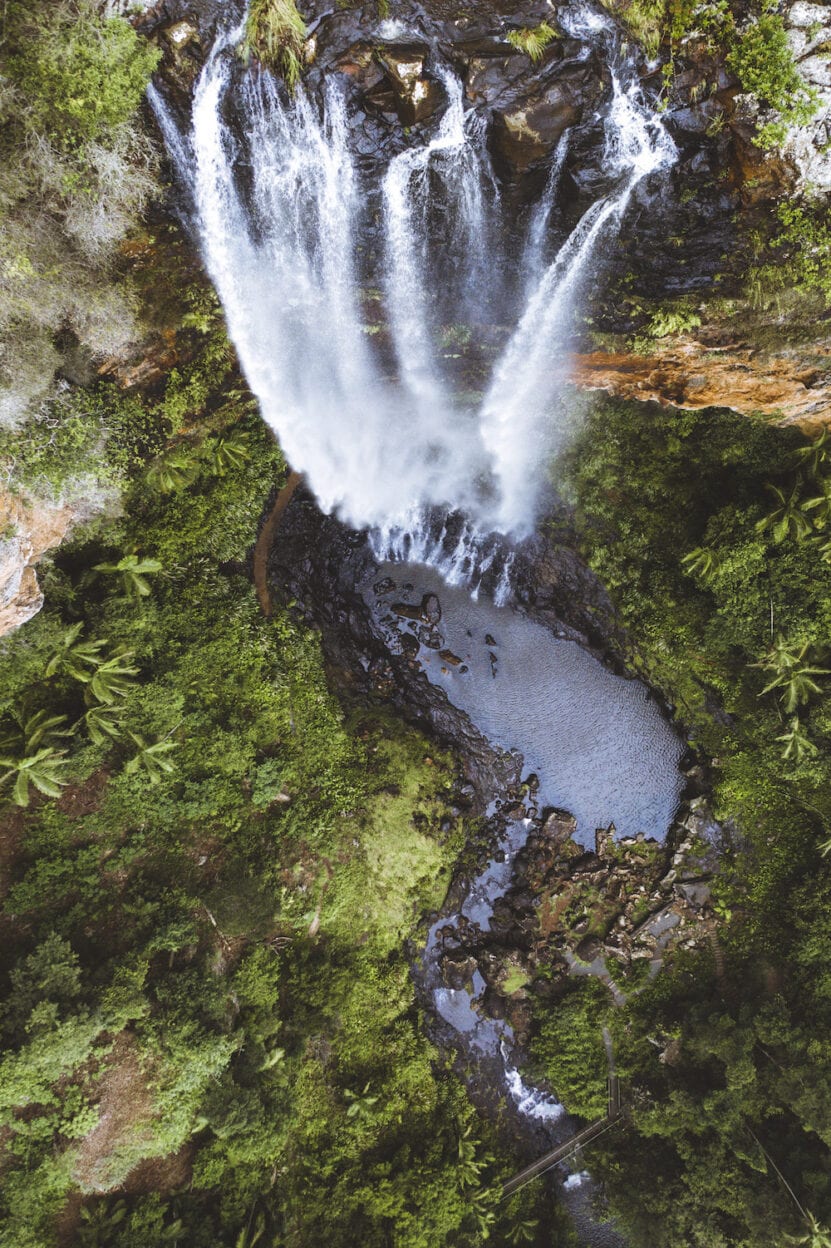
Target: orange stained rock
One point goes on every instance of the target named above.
(783, 387)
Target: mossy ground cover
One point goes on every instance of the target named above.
(210, 1030)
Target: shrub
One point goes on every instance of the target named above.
(762, 60)
(83, 75)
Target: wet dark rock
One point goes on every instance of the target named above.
(450, 657)
(430, 609)
(385, 586)
(500, 70)
(588, 949)
(409, 643)
(527, 129)
(697, 894)
(416, 96)
(458, 970)
(180, 35)
(559, 826)
(683, 227)
(556, 589)
(407, 610)
(318, 563)
(693, 120)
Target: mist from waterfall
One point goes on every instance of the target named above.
(368, 411)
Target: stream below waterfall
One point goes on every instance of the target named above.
(344, 345)
(593, 743)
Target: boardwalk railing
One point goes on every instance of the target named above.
(595, 1129)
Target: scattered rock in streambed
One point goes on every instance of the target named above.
(410, 644)
(407, 610)
(431, 609)
(601, 912)
(458, 971)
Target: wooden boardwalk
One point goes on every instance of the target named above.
(595, 1129)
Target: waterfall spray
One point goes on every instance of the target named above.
(366, 411)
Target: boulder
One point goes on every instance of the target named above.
(492, 77)
(560, 826)
(431, 609)
(413, 95)
(526, 132)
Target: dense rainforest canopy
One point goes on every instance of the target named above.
(218, 853)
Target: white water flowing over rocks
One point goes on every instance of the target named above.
(369, 411)
(377, 427)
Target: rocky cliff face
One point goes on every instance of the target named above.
(690, 237)
(28, 529)
(791, 385)
(807, 148)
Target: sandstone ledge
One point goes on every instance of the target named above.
(785, 387)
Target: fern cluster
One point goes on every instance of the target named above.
(532, 40)
(275, 33)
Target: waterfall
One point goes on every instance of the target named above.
(407, 205)
(522, 422)
(368, 406)
(535, 247)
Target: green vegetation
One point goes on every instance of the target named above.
(753, 45)
(532, 40)
(77, 172)
(666, 322)
(763, 62)
(727, 601)
(209, 873)
(568, 1047)
(276, 34)
(795, 257)
(212, 873)
(669, 321)
(226, 869)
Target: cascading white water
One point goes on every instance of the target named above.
(366, 410)
(535, 248)
(529, 377)
(407, 203)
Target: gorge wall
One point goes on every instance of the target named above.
(669, 316)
